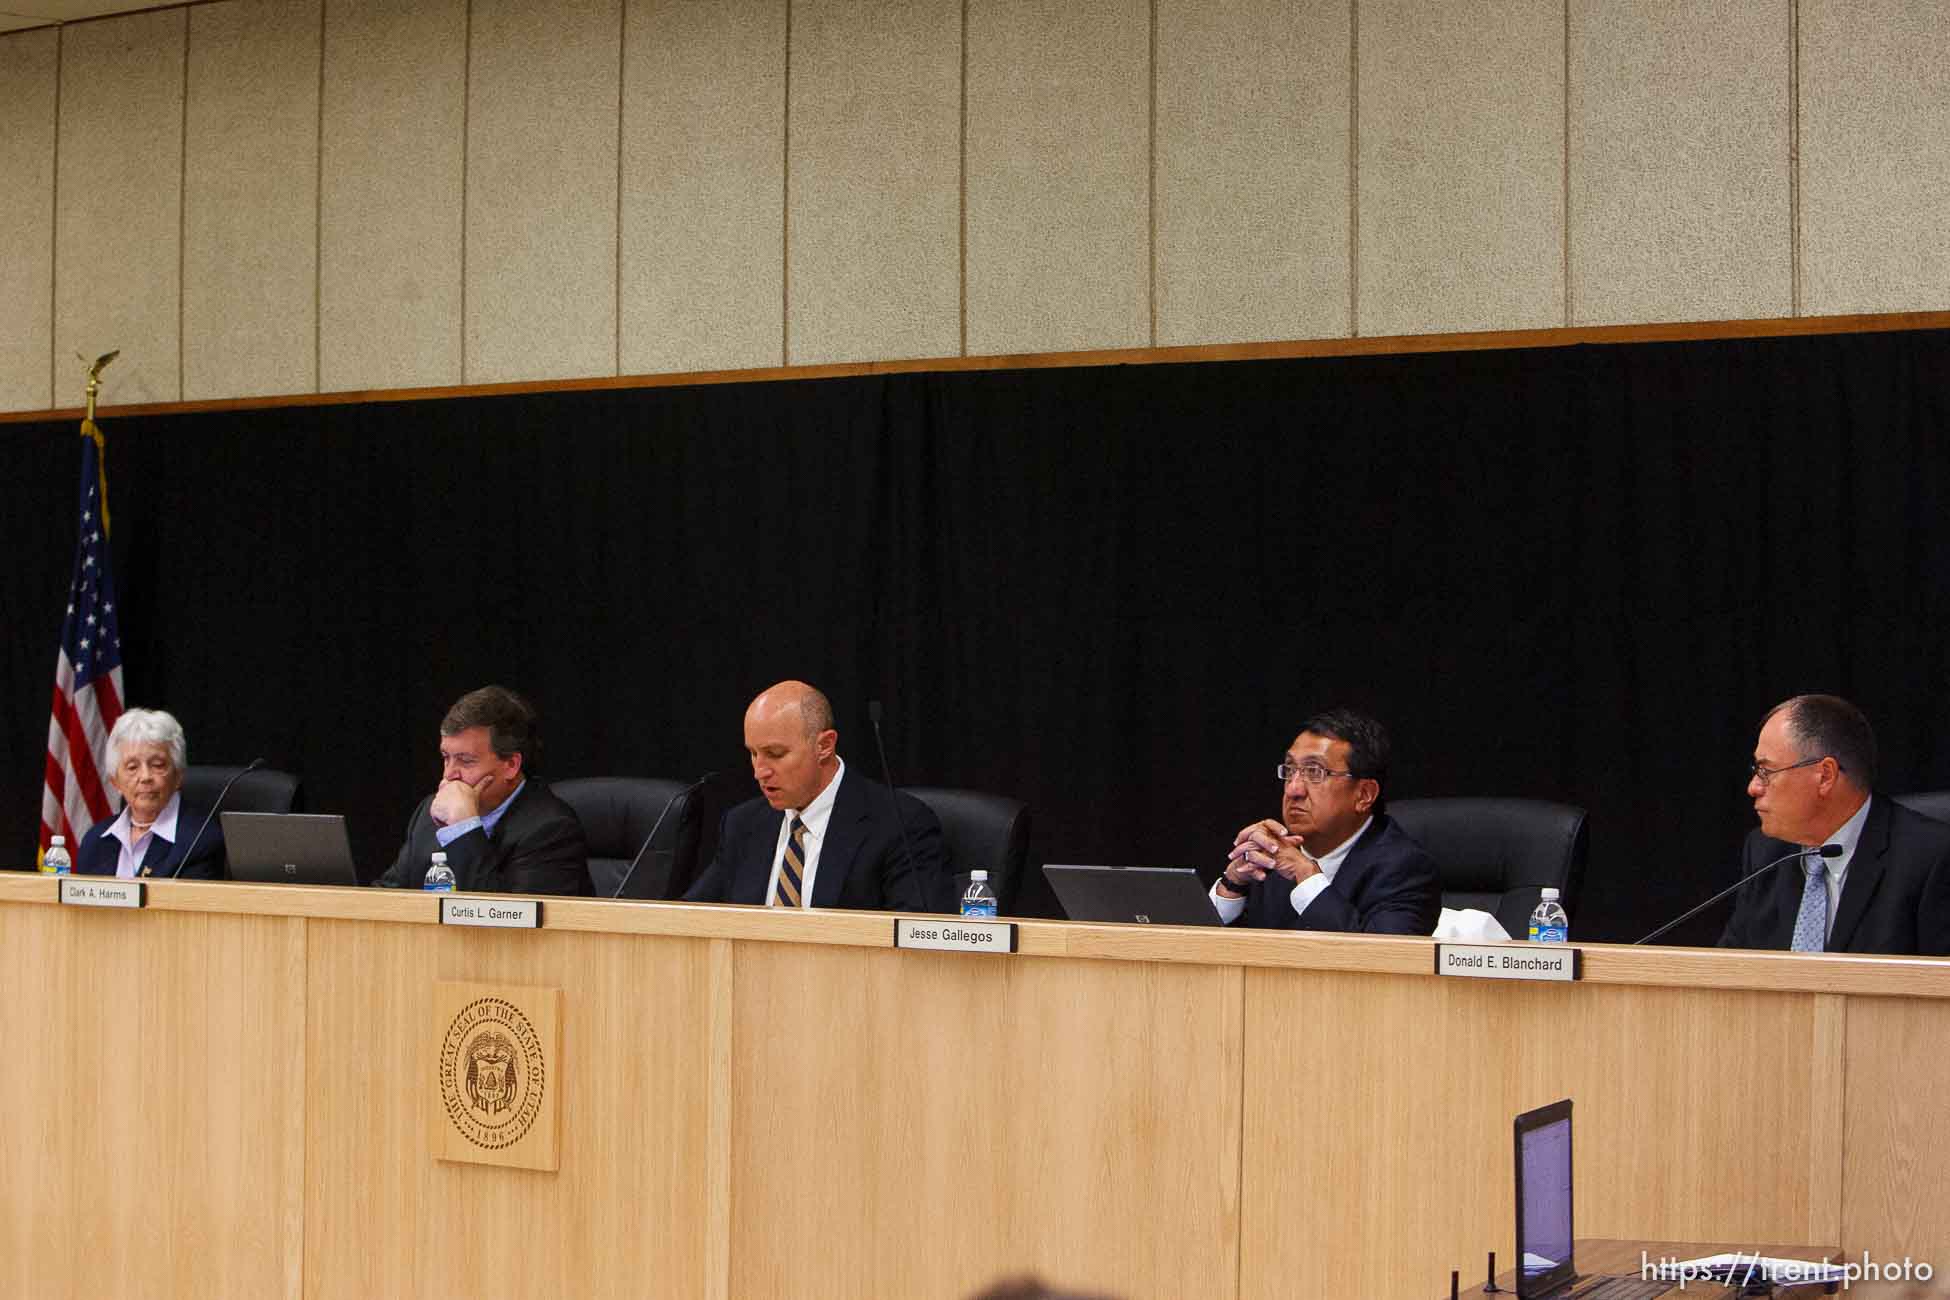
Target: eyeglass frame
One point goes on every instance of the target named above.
(1299, 770)
(1765, 775)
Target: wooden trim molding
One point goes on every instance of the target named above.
(1287, 349)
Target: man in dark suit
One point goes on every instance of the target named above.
(1335, 861)
(501, 828)
(818, 835)
(146, 756)
(1888, 891)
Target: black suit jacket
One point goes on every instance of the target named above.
(1895, 897)
(98, 852)
(537, 848)
(863, 864)
(1386, 884)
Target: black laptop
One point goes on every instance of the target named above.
(1145, 895)
(1546, 1268)
(288, 848)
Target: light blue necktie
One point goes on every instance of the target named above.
(1811, 922)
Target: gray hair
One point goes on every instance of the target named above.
(148, 727)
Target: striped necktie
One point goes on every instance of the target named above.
(792, 868)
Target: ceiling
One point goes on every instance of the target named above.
(16, 14)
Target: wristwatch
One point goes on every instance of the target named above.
(1238, 887)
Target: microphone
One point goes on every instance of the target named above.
(656, 826)
(211, 816)
(1826, 851)
(887, 772)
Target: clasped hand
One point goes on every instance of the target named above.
(1266, 847)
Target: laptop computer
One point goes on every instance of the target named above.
(288, 848)
(1546, 1267)
(1145, 895)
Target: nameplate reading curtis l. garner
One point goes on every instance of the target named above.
(101, 893)
(501, 913)
(1514, 961)
(955, 936)
(494, 1077)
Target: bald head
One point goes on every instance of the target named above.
(790, 738)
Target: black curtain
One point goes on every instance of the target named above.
(1568, 573)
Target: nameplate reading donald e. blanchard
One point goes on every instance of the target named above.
(95, 892)
(498, 913)
(1508, 961)
(948, 935)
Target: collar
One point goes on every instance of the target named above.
(165, 827)
(489, 819)
(1332, 862)
(820, 811)
(1849, 836)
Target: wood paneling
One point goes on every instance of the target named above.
(119, 203)
(250, 199)
(1897, 1137)
(27, 101)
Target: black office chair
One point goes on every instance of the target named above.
(1934, 804)
(985, 831)
(617, 814)
(266, 790)
(1498, 854)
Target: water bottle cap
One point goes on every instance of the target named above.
(978, 875)
(59, 841)
(1550, 893)
(439, 859)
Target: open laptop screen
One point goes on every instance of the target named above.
(1544, 1200)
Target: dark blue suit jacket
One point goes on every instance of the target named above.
(1386, 884)
(98, 851)
(1895, 897)
(863, 863)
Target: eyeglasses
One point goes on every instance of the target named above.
(1313, 772)
(1766, 775)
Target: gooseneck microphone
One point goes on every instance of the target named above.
(210, 816)
(656, 826)
(893, 794)
(1826, 851)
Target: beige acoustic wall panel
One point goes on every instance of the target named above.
(1679, 161)
(1460, 165)
(119, 209)
(1875, 156)
(389, 213)
(250, 200)
(542, 115)
(873, 267)
(703, 177)
(27, 91)
(1252, 181)
(1058, 206)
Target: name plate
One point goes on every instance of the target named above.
(955, 936)
(1516, 961)
(101, 893)
(498, 913)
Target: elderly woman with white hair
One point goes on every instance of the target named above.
(146, 757)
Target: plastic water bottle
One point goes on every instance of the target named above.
(440, 876)
(57, 862)
(1549, 923)
(979, 901)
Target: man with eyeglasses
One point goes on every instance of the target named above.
(1812, 782)
(1335, 861)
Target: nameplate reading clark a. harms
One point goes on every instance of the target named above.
(1515, 961)
(93, 892)
(955, 936)
(500, 913)
(494, 1081)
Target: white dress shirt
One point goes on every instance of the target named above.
(129, 862)
(1848, 835)
(1303, 893)
(816, 815)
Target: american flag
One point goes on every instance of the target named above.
(88, 671)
